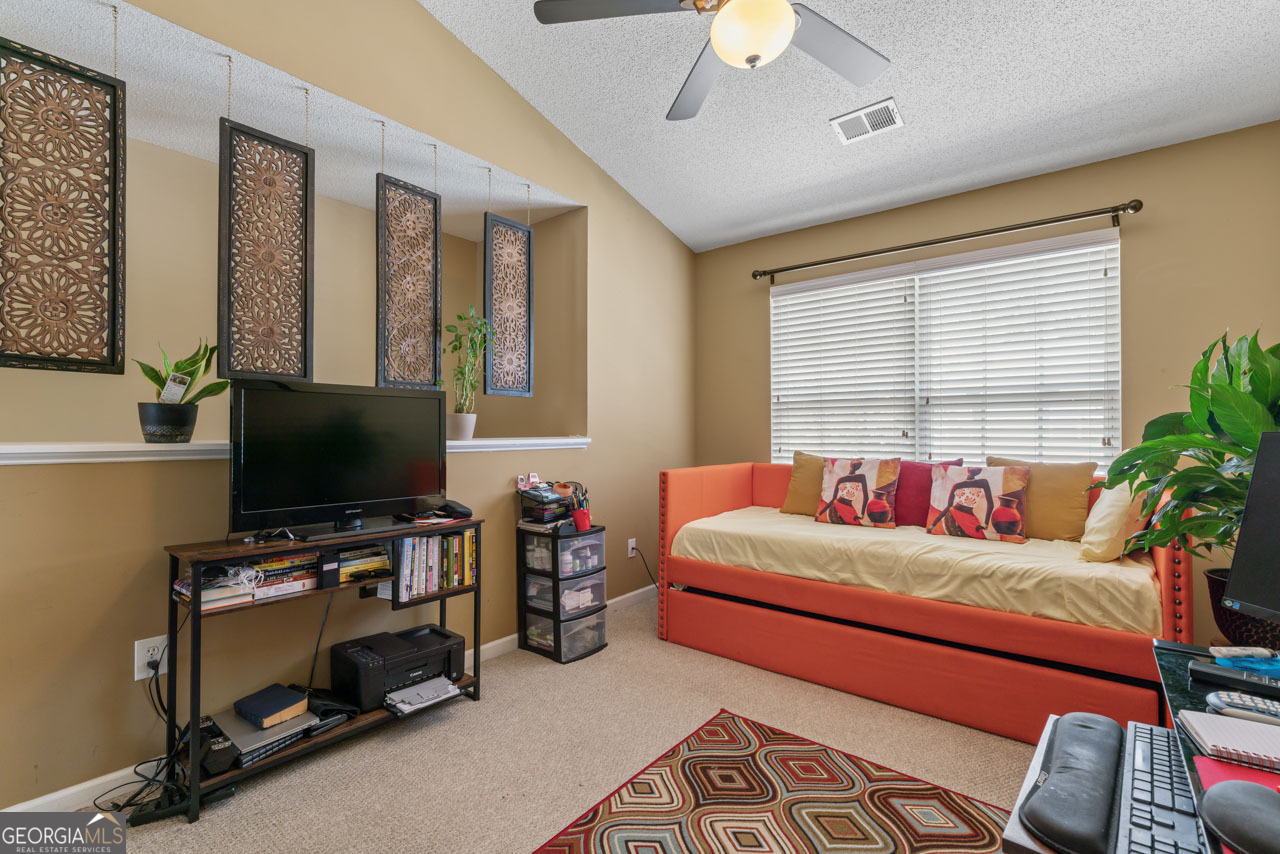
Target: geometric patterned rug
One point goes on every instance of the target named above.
(740, 787)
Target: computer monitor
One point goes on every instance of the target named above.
(1254, 583)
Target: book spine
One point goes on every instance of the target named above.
(420, 572)
(276, 563)
(285, 588)
(403, 578)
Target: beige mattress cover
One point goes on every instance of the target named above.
(1040, 578)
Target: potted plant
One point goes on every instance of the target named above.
(1203, 459)
(471, 335)
(172, 418)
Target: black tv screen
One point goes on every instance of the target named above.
(305, 453)
(1254, 583)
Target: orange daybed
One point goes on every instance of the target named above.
(993, 670)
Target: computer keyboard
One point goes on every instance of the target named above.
(1157, 813)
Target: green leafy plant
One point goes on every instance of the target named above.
(471, 335)
(193, 368)
(1204, 458)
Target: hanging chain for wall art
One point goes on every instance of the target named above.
(62, 165)
(266, 210)
(409, 275)
(508, 303)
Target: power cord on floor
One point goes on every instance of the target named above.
(646, 568)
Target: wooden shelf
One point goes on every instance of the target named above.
(440, 594)
(287, 597)
(356, 725)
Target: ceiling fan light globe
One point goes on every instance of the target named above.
(752, 33)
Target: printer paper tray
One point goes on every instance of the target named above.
(415, 698)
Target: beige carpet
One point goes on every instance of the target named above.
(548, 741)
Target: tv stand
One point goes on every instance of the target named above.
(186, 797)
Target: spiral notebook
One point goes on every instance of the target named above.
(1243, 742)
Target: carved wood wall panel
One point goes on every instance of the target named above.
(508, 304)
(62, 156)
(266, 227)
(409, 293)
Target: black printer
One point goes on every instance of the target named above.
(365, 670)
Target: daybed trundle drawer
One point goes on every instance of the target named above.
(1000, 695)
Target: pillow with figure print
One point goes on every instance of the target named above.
(979, 502)
(859, 492)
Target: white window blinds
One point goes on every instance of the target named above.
(1013, 351)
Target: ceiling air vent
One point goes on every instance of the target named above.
(877, 118)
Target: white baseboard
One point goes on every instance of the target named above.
(81, 795)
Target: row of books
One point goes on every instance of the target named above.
(364, 559)
(428, 565)
(277, 576)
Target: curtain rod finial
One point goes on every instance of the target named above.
(1133, 206)
(757, 274)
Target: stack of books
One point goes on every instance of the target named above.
(371, 559)
(280, 576)
(427, 565)
(217, 591)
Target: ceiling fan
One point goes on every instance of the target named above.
(744, 34)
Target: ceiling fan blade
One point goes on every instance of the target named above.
(567, 11)
(697, 87)
(836, 49)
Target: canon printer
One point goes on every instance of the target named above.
(365, 670)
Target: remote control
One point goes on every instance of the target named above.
(1245, 706)
(1238, 680)
(1241, 652)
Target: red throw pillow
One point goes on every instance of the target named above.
(858, 492)
(914, 482)
(980, 502)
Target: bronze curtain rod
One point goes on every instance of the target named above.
(1113, 212)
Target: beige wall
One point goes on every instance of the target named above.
(558, 406)
(82, 574)
(1199, 259)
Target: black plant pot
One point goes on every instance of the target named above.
(167, 422)
(1240, 629)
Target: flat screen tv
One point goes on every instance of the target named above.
(306, 453)
(1254, 583)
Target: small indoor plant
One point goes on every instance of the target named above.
(1203, 459)
(172, 417)
(471, 335)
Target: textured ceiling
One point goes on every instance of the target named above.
(176, 90)
(989, 90)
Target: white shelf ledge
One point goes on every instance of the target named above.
(63, 453)
(527, 443)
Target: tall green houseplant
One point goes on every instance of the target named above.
(471, 335)
(1203, 458)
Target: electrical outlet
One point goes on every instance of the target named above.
(631, 548)
(146, 650)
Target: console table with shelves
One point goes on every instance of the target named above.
(202, 556)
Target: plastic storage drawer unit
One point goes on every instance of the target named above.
(577, 596)
(581, 554)
(577, 638)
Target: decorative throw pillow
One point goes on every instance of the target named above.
(1057, 497)
(859, 492)
(1115, 517)
(805, 486)
(980, 503)
(915, 480)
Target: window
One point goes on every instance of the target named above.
(1012, 351)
